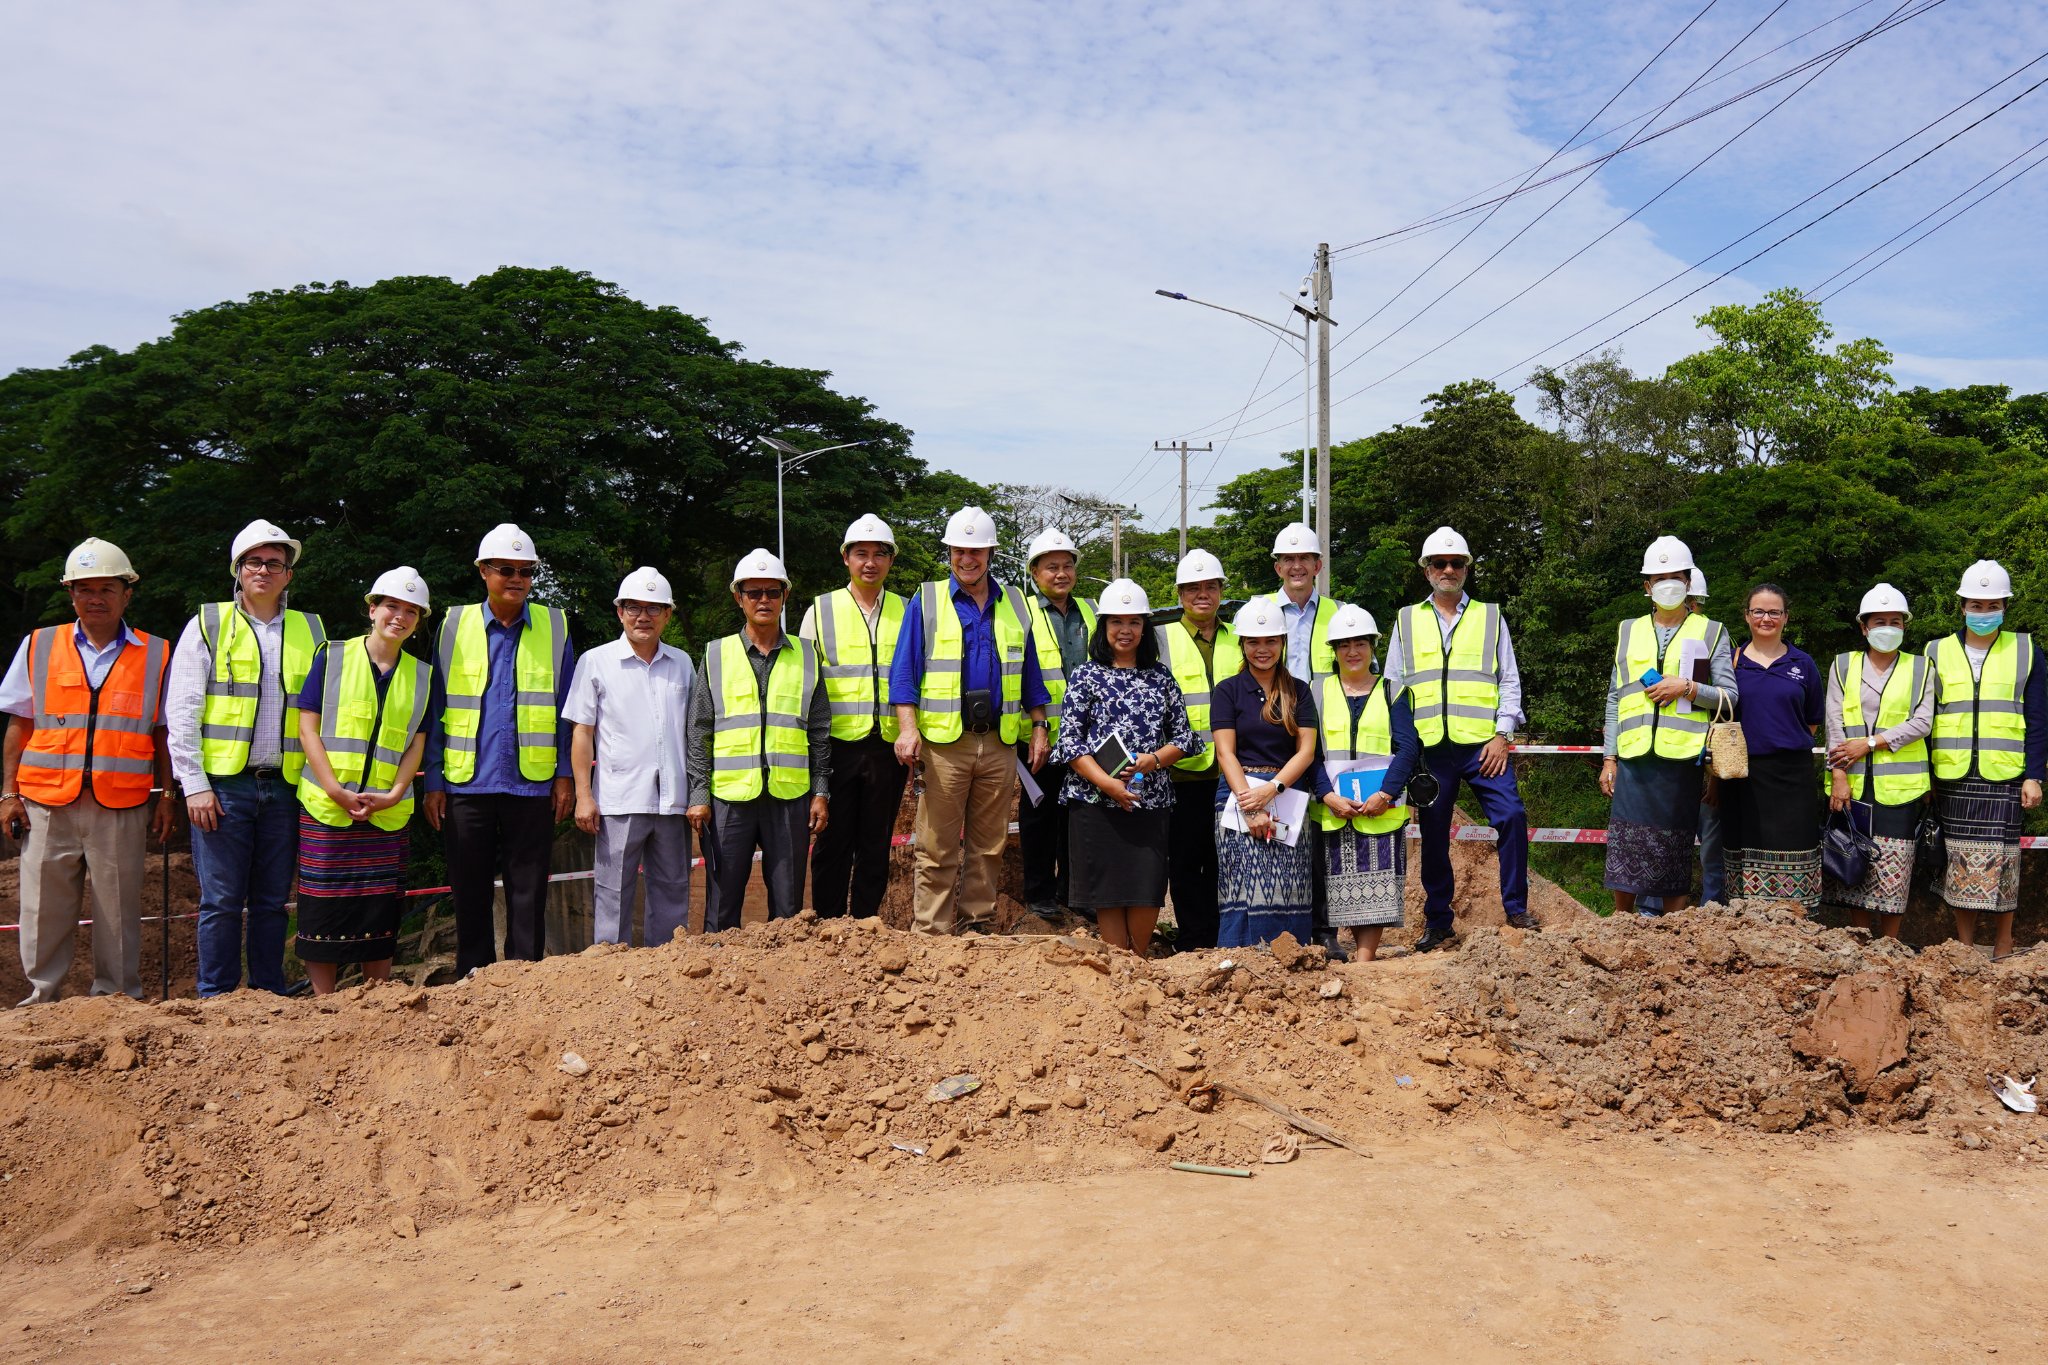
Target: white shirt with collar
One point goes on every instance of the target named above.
(185, 698)
(1508, 718)
(15, 698)
(639, 711)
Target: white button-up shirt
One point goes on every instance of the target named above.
(1394, 666)
(639, 712)
(15, 698)
(185, 698)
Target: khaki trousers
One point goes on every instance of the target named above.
(963, 821)
(64, 844)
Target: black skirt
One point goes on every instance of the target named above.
(1117, 856)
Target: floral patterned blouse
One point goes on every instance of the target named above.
(1140, 706)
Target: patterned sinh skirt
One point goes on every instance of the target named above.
(1367, 877)
(1655, 821)
(1263, 887)
(1888, 883)
(349, 880)
(1982, 822)
(1772, 819)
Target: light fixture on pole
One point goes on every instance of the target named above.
(789, 457)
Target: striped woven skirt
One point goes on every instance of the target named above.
(349, 880)
(1772, 819)
(1264, 888)
(1888, 883)
(1982, 823)
(1366, 877)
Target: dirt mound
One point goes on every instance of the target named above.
(1749, 1014)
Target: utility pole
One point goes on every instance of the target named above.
(1322, 291)
(1183, 447)
(1116, 542)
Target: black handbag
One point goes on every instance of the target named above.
(1930, 848)
(1846, 849)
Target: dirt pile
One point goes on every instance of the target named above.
(1750, 1014)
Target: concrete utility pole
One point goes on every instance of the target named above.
(1322, 291)
(1116, 542)
(1183, 447)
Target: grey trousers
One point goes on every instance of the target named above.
(64, 844)
(628, 845)
(781, 830)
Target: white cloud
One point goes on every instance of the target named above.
(962, 212)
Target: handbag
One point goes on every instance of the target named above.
(1727, 749)
(1930, 848)
(1845, 849)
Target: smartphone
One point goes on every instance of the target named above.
(17, 829)
(1651, 677)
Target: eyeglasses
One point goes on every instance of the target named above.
(641, 608)
(1446, 563)
(513, 570)
(1766, 614)
(265, 565)
(760, 594)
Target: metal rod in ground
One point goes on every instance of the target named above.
(164, 965)
(1211, 1170)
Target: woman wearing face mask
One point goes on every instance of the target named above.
(362, 722)
(1772, 817)
(1117, 822)
(1990, 747)
(1880, 708)
(1671, 669)
(1263, 723)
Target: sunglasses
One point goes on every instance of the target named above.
(513, 570)
(761, 594)
(1446, 563)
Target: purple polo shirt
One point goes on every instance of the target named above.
(1779, 705)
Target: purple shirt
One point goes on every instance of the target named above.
(1780, 705)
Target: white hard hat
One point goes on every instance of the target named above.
(1667, 554)
(970, 528)
(1296, 538)
(1197, 566)
(1883, 597)
(1985, 578)
(1699, 584)
(96, 558)
(759, 564)
(403, 583)
(1044, 543)
(1124, 598)
(1259, 617)
(645, 584)
(1350, 622)
(868, 528)
(1444, 541)
(261, 532)
(506, 541)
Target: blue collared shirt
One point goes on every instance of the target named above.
(15, 699)
(979, 666)
(497, 738)
(1301, 631)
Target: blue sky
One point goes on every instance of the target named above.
(963, 211)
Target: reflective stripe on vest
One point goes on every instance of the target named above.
(945, 647)
(227, 717)
(465, 657)
(854, 664)
(1640, 725)
(1456, 692)
(1981, 721)
(1902, 777)
(360, 729)
(750, 735)
(106, 731)
(1052, 668)
(1374, 734)
(1197, 678)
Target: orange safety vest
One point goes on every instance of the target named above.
(107, 730)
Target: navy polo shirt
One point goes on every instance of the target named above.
(1779, 705)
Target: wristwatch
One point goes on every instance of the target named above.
(1041, 725)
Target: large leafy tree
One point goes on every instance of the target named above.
(395, 423)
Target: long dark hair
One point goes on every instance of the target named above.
(1100, 652)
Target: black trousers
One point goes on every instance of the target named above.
(850, 860)
(492, 836)
(1042, 836)
(1191, 863)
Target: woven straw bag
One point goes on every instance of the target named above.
(1727, 749)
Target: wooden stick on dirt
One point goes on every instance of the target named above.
(1271, 1106)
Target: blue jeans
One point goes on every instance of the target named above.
(245, 868)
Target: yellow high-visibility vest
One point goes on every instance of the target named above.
(854, 665)
(945, 650)
(1197, 678)
(752, 735)
(1052, 668)
(361, 730)
(1902, 776)
(1374, 734)
(1454, 693)
(1642, 726)
(234, 686)
(465, 671)
(1981, 720)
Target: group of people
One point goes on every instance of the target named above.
(1928, 756)
(1263, 771)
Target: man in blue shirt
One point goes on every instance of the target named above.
(969, 770)
(495, 792)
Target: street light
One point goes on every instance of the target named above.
(1299, 339)
(788, 457)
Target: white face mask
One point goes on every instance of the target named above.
(1668, 593)
(1887, 639)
